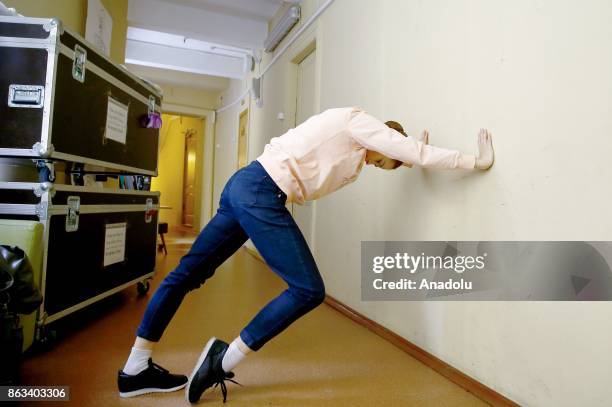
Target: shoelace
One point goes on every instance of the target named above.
(158, 367)
(221, 383)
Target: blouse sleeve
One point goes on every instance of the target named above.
(374, 135)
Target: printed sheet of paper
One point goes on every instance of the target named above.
(99, 26)
(116, 121)
(114, 243)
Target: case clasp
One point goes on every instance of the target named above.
(72, 218)
(78, 65)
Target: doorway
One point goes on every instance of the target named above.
(305, 107)
(180, 171)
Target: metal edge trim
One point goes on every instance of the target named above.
(22, 40)
(19, 185)
(28, 44)
(64, 50)
(18, 209)
(126, 71)
(88, 209)
(98, 297)
(43, 274)
(47, 123)
(19, 19)
(106, 164)
(19, 152)
(74, 188)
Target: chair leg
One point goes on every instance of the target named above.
(163, 243)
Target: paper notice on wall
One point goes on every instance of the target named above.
(114, 243)
(116, 121)
(99, 26)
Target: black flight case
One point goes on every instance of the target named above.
(95, 241)
(61, 99)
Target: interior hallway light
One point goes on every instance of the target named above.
(280, 30)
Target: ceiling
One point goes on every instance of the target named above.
(262, 10)
(202, 38)
(178, 78)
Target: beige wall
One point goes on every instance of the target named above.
(183, 96)
(226, 138)
(73, 14)
(537, 75)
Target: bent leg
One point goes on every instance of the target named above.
(279, 240)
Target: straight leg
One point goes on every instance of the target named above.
(221, 237)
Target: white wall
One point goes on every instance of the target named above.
(537, 74)
(226, 137)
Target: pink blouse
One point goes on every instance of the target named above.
(328, 150)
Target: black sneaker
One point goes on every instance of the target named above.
(208, 371)
(153, 379)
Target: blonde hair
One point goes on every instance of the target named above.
(396, 126)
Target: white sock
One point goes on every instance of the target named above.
(232, 357)
(138, 361)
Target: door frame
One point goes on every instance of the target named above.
(196, 178)
(245, 112)
(207, 175)
(295, 61)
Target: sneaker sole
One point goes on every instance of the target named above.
(150, 390)
(197, 367)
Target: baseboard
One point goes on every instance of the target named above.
(470, 384)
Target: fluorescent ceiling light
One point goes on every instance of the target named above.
(286, 23)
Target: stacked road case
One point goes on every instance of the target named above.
(62, 100)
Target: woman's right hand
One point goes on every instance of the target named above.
(485, 157)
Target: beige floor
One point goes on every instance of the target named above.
(324, 359)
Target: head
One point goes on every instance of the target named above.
(380, 160)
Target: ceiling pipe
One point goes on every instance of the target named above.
(280, 52)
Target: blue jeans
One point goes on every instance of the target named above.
(251, 206)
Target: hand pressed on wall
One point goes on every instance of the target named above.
(485, 157)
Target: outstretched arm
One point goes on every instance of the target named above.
(374, 135)
(423, 138)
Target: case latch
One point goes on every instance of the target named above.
(150, 211)
(72, 218)
(78, 65)
(151, 105)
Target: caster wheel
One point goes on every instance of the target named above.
(46, 340)
(143, 287)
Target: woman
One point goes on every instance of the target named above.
(314, 159)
